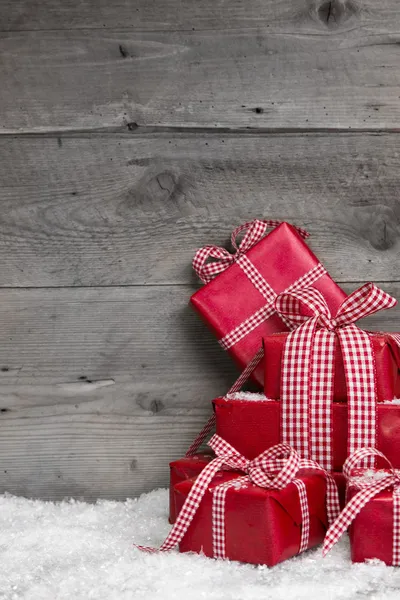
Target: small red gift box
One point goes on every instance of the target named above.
(185, 468)
(238, 305)
(260, 511)
(253, 425)
(372, 512)
(387, 360)
(261, 526)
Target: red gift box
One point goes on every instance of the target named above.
(253, 425)
(238, 305)
(371, 534)
(387, 360)
(261, 526)
(372, 512)
(185, 468)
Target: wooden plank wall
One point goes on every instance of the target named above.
(130, 134)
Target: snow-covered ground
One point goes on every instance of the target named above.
(74, 550)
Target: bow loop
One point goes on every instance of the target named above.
(300, 305)
(221, 259)
(358, 457)
(365, 301)
(228, 453)
(254, 231)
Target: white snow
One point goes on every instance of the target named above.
(77, 551)
(252, 396)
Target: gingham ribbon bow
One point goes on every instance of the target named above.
(221, 259)
(369, 489)
(308, 370)
(273, 469)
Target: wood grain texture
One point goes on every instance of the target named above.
(73, 80)
(132, 209)
(307, 15)
(100, 388)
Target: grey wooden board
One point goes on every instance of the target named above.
(132, 209)
(288, 79)
(152, 368)
(317, 16)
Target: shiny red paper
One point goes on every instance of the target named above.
(253, 426)
(185, 468)
(261, 526)
(371, 533)
(281, 257)
(387, 361)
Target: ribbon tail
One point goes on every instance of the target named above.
(189, 508)
(201, 436)
(305, 515)
(356, 504)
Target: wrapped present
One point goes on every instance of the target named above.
(308, 367)
(251, 423)
(182, 469)
(260, 511)
(372, 512)
(237, 302)
(386, 353)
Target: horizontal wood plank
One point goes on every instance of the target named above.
(236, 79)
(100, 388)
(132, 209)
(308, 15)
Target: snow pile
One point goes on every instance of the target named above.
(252, 396)
(78, 551)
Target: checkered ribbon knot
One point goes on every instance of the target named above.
(212, 260)
(274, 469)
(308, 370)
(370, 488)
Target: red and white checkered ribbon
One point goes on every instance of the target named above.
(273, 469)
(221, 259)
(308, 370)
(369, 489)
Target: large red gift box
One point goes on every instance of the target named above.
(251, 426)
(185, 468)
(237, 304)
(387, 360)
(261, 526)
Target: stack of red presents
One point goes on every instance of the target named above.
(313, 453)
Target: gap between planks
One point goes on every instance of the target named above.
(135, 129)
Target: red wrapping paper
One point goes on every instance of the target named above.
(261, 526)
(387, 360)
(185, 468)
(281, 257)
(371, 533)
(253, 426)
